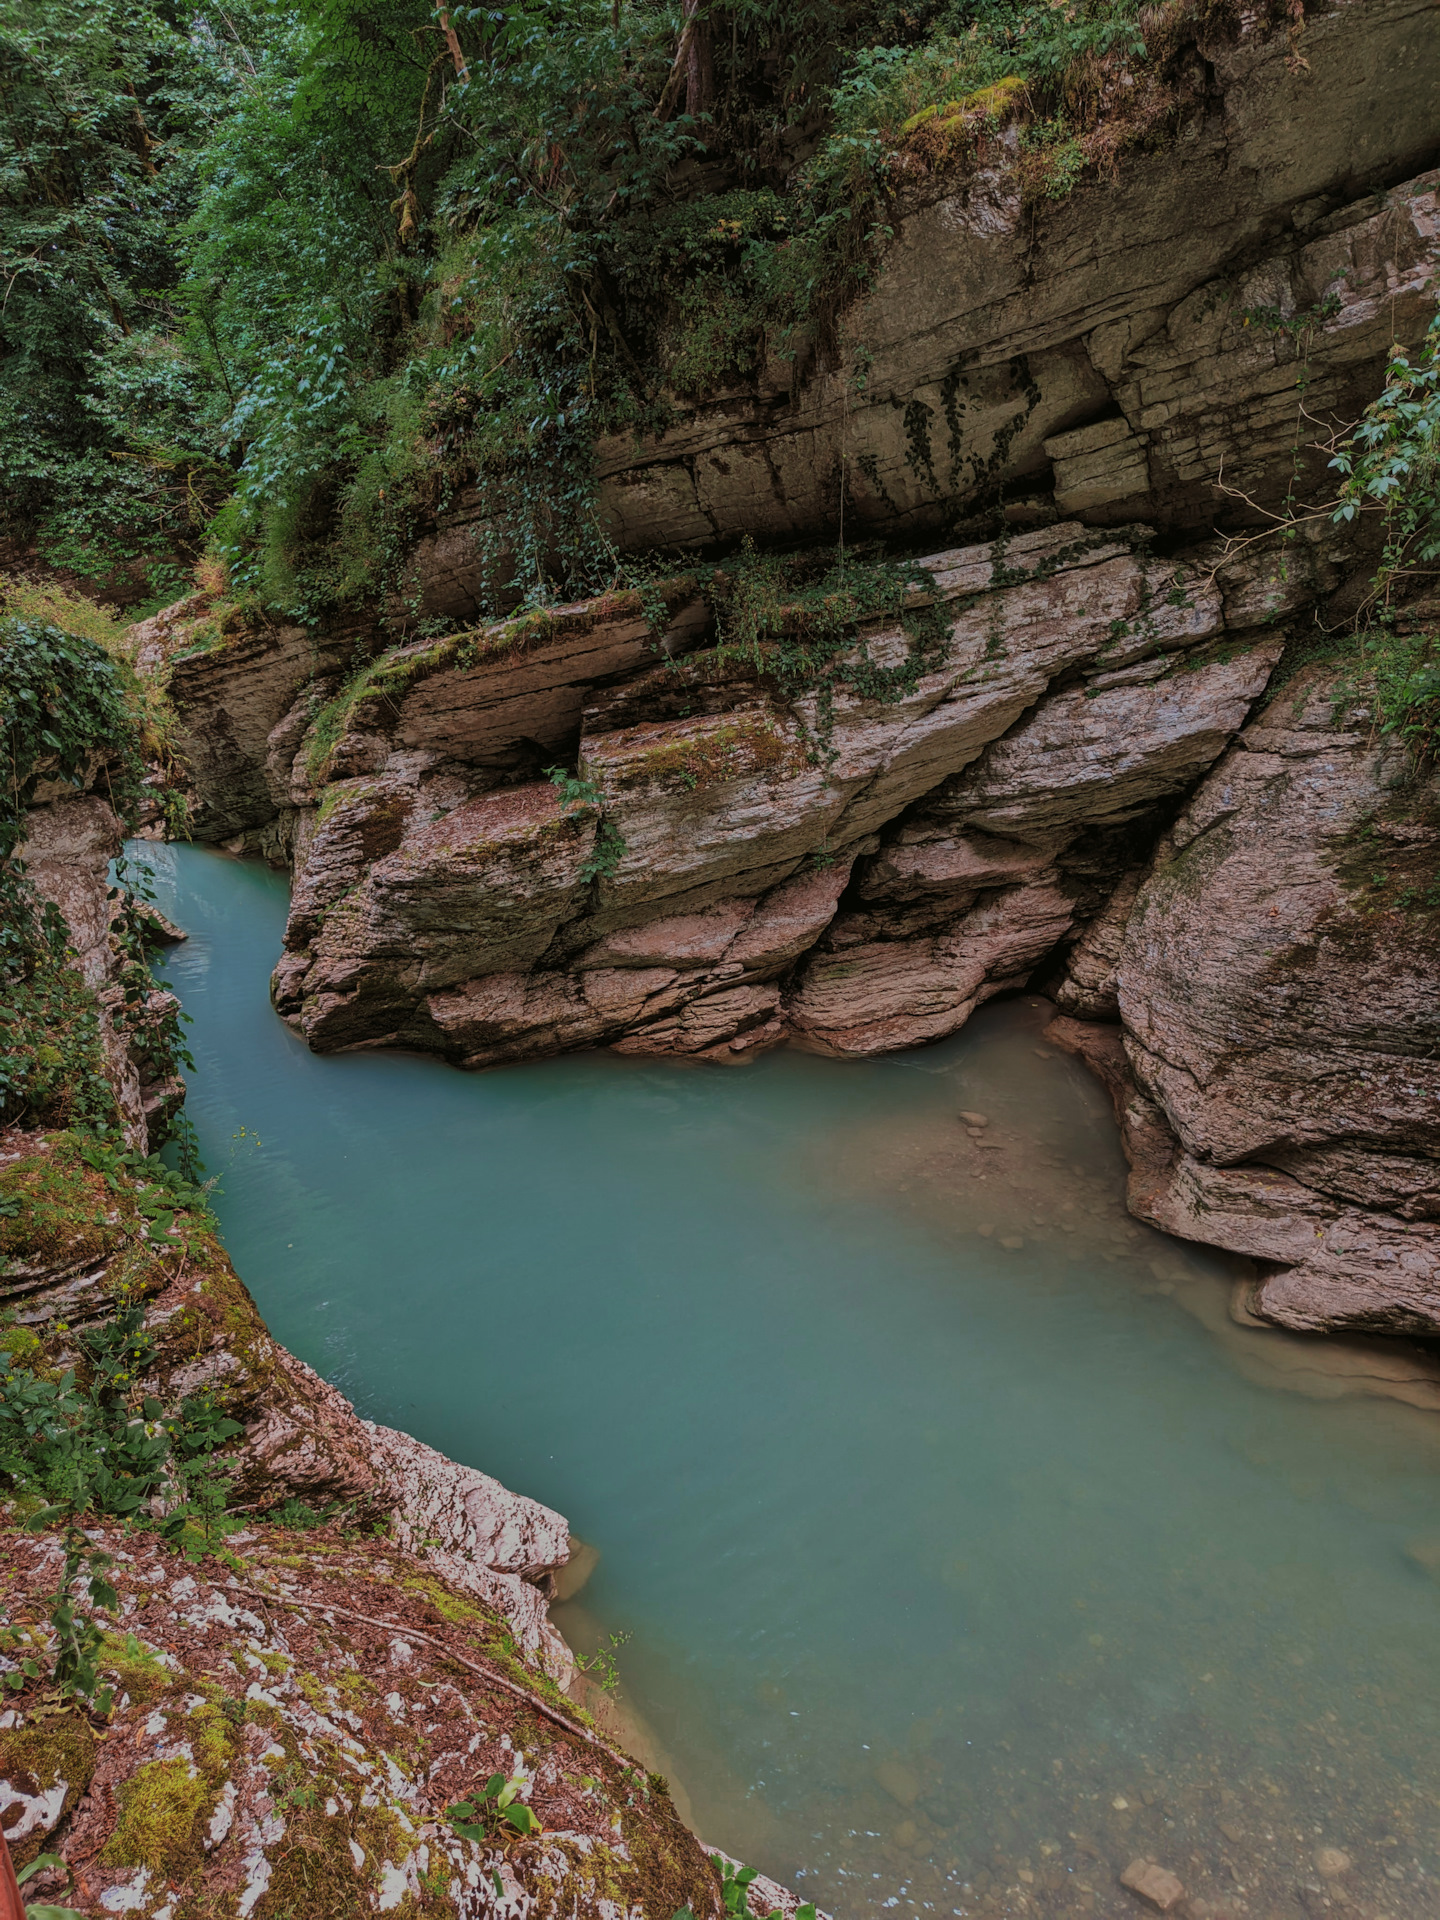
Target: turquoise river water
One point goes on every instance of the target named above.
(967, 1548)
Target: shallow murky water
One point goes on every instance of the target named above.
(968, 1550)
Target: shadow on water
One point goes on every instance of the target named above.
(967, 1548)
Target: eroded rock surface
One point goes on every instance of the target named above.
(72, 835)
(737, 861)
(289, 1732)
(1276, 981)
(79, 1242)
(734, 857)
(1098, 350)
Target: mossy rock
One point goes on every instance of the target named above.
(36, 1758)
(164, 1808)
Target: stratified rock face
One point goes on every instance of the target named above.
(481, 1537)
(231, 693)
(72, 834)
(738, 860)
(1277, 983)
(984, 879)
(687, 892)
(1126, 350)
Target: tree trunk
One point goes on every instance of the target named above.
(700, 67)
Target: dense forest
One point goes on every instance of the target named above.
(278, 278)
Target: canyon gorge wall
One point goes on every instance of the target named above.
(1102, 749)
(1108, 739)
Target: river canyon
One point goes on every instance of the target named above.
(965, 1540)
(824, 1228)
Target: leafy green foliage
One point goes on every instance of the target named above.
(495, 1811)
(298, 1514)
(735, 1883)
(43, 1862)
(577, 796)
(609, 851)
(99, 1450)
(1389, 467)
(372, 258)
(580, 798)
(68, 706)
(601, 1664)
(1392, 462)
(298, 283)
(1397, 675)
(800, 618)
(65, 703)
(105, 454)
(103, 1448)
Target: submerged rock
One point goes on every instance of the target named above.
(1153, 1883)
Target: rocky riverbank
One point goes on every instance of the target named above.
(279, 1717)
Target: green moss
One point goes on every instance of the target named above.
(57, 1208)
(134, 1666)
(163, 1810)
(21, 1345)
(727, 752)
(39, 1755)
(1392, 878)
(52, 1056)
(315, 1876)
(373, 694)
(449, 1606)
(341, 794)
(212, 1739)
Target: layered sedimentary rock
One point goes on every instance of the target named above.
(282, 1731)
(853, 865)
(1128, 351)
(72, 836)
(1276, 980)
(80, 1239)
(594, 826)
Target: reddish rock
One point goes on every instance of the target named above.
(1153, 1883)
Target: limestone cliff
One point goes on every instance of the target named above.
(1275, 977)
(1049, 759)
(1089, 350)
